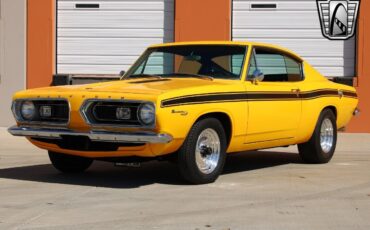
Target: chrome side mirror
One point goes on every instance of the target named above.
(257, 76)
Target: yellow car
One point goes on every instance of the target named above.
(191, 102)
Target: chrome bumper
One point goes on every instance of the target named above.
(105, 136)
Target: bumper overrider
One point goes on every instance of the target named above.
(103, 136)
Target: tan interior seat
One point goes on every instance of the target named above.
(189, 67)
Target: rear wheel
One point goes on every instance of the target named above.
(320, 148)
(69, 163)
(202, 156)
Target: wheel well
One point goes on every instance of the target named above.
(333, 109)
(225, 121)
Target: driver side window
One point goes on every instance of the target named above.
(275, 66)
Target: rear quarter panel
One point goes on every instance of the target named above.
(312, 107)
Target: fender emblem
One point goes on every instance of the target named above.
(181, 112)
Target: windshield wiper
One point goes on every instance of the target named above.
(142, 76)
(200, 76)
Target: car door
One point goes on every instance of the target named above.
(274, 101)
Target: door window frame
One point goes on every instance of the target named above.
(277, 51)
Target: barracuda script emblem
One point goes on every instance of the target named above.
(338, 18)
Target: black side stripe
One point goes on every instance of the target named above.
(323, 93)
(205, 98)
(350, 94)
(253, 96)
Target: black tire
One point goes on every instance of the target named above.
(187, 153)
(69, 163)
(312, 152)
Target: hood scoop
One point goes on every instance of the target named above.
(148, 81)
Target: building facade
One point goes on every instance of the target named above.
(42, 38)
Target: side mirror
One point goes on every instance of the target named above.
(258, 76)
(121, 73)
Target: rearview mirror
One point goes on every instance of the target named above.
(192, 58)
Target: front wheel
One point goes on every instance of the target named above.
(69, 163)
(202, 156)
(320, 148)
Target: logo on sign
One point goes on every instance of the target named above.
(338, 18)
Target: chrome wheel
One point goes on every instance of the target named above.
(326, 135)
(207, 152)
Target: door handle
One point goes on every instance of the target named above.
(296, 91)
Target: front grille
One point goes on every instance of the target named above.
(104, 112)
(58, 111)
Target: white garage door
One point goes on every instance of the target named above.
(107, 36)
(295, 25)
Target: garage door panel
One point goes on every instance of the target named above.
(115, 33)
(96, 59)
(276, 33)
(332, 69)
(104, 46)
(335, 71)
(107, 19)
(280, 5)
(92, 68)
(271, 19)
(296, 26)
(102, 69)
(119, 5)
(331, 61)
(109, 39)
(103, 60)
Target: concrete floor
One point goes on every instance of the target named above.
(258, 190)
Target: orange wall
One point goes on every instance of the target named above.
(202, 20)
(40, 42)
(362, 122)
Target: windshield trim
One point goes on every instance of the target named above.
(148, 51)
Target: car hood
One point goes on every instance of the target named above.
(141, 86)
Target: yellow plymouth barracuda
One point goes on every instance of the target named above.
(193, 103)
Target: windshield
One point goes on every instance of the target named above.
(202, 61)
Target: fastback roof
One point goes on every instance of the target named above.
(242, 43)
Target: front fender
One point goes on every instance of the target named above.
(178, 120)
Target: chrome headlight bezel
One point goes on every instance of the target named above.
(36, 120)
(27, 110)
(146, 109)
(87, 107)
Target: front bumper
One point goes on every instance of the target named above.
(104, 136)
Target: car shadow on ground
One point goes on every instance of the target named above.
(103, 174)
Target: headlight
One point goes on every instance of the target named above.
(146, 114)
(28, 110)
